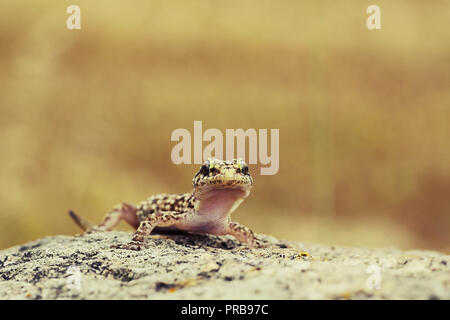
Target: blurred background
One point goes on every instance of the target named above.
(87, 115)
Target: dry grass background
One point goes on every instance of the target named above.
(86, 115)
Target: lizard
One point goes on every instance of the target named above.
(219, 187)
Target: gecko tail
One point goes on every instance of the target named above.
(83, 224)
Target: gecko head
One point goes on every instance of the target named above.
(218, 175)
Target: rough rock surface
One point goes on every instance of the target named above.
(209, 267)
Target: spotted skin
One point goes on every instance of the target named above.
(218, 189)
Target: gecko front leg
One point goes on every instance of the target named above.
(244, 234)
(161, 219)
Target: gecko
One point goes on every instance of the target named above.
(219, 187)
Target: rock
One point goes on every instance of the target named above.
(209, 267)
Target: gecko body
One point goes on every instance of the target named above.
(219, 187)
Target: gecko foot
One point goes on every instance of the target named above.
(136, 246)
(255, 244)
(94, 229)
(89, 231)
(258, 244)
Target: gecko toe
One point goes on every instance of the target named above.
(129, 246)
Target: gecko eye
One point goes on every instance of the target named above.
(204, 170)
(245, 170)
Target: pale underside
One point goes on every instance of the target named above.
(213, 213)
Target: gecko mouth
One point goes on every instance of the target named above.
(219, 184)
